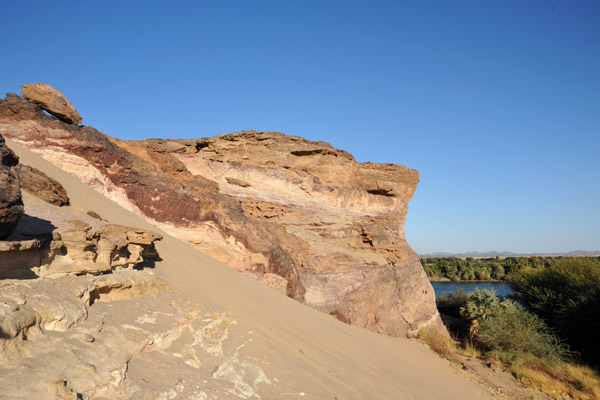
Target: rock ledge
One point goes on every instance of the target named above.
(51, 100)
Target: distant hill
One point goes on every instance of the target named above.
(487, 254)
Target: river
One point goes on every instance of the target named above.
(503, 289)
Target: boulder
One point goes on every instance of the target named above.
(51, 100)
(11, 204)
(94, 214)
(42, 186)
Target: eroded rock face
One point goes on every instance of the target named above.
(84, 250)
(11, 204)
(342, 220)
(301, 216)
(42, 186)
(185, 205)
(78, 250)
(51, 100)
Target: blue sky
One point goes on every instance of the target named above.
(495, 103)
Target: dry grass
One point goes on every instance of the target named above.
(470, 350)
(559, 380)
(441, 344)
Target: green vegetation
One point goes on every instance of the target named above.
(566, 295)
(555, 310)
(516, 331)
(482, 304)
(468, 269)
(506, 327)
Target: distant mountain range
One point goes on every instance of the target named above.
(487, 254)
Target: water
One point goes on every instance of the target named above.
(503, 289)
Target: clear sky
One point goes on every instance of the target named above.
(495, 103)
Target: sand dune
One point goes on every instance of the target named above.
(304, 353)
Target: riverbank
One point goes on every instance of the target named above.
(433, 279)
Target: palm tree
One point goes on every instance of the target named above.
(480, 305)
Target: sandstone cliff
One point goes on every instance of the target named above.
(301, 216)
(184, 327)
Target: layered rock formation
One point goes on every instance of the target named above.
(301, 216)
(11, 204)
(41, 186)
(340, 219)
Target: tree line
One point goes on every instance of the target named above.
(484, 269)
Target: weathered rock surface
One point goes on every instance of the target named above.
(116, 336)
(121, 334)
(80, 249)
(18, 259)
(345, 218)
(298, 215)
(185, 205)
(11, 204)
(51, 100)
(42, 186)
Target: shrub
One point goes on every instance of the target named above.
(480, 305)
(517, 331)
(566, 294)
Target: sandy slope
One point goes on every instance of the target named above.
(305, 353)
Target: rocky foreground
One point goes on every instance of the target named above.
(302, 217)
(82, 316)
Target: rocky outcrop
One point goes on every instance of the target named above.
(96, 329)
(341, 219)
(42, 186)
(52, 101)
(84, 250)
(11, 204)
(185, 205)
(301, 216)
(78, 250)
(119, 334)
